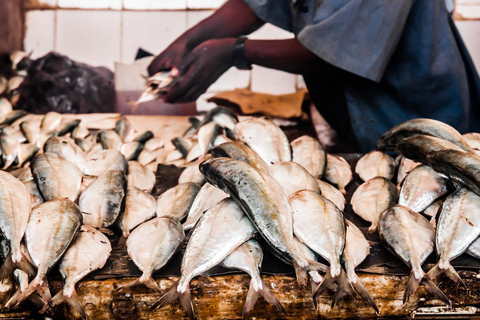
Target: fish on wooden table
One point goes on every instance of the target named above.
(293, 177)
(338, 172)
(124, 129)
(141, 177)
(131, 150)
(332, 194)
(405, 165)
(192, 172)
(375, 164)
(50, 122)
(309, 153)
(418, 147)
(239, 151)
(67, 149)
(207, 135)
(139, 207)
(110, 140)
(103, 161)
(177, 201)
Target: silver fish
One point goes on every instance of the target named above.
(418, 147)
(458, 227)
(85, 144)
(273, 145)
(293, 177)
(154, 144)
(433, 209)
(207, 197)
(66, 127)
(372, 198)
(410, 236)
(9, 146)
(26, 152)
(80, 132)
(248, 258)
(239, 151)
(56, 177)
(332, 194)
(131, 150)
(60, 220)
(101, 202)
(206, 136)
(309, 153)
(50, 122)
(221, 230)
(183, 145)
(177, 201)
(124, 129)
(421, 126)
(192, 172)
(171, 156)
(140, 177)
(22, 174)
(67, 149)
(338, 172)
(104, 161)
(222, 116)
(221, 138)
(375, 164)
(421, 187)
(139, 207)
(110, 140)
(145, 157)
(88, 252)
(405, 165)
(14, 212)
(151, 245)
(194, 153)
(30, 130)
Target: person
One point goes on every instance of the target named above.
(368, 65)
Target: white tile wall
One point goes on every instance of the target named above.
(40, 32)
(204, 4)
(90, 4)
(92, 37)
(153, 31)
(154, 4)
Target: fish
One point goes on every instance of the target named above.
(458, 226)
(332, 194)
(265, 203)
(85, 144)
(206, 136)
(59, 219)
(319, 224)
(103, 161)
(405, 165)
(11, 117)
(67, 149)
(293, 177)
(418, 147)
(140, 177)
(50, 122)
(248, 258)
(410, 236)
(33, 191)
(421, 187)
(372, 198)
(183, 145)
(89, 251)
(124, 129)
(462, 168)
(101, 202)
(66, 127)
(3, 87)
(30, 130)
(207, 197)
(375, 164)
(192, 172)
(154, 144)
(194, 125)
(221, 138)
(220, 231)
(177, 201)
(172, 156)
(151, 245)
(80, 132)
(421, 126)
(110, 140)
(131, 150)
(223, 116)
(139, 207)
(309, 153)
(14, 213)
(240, 151)
(433, 209)
(22, 174)
(315, 277)
(9, 145)
(473, 140)
(56, 177)
(356, 251)
(157, 85)
(143, 137)
(194, 153)
(273, 146)
(145, 157)
(26, 152)
(338, 172)
(86, 181)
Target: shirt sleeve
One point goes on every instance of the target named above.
(276, 12)
(359, 36)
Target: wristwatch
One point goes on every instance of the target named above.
(241, 61)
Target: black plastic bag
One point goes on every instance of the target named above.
(57, 83)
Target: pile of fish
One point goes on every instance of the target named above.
(243, 180)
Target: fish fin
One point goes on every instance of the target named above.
(25, 265)
(412, 286)
(301, 274)
(449, 271)
(186, 302)
(106, 231)
(436, 291)
(128, 285)
(327, 282)
(344, 288)
(373, 227)
(313, 286)
(149, 282)
(43, 291)
(252, 297)
(362, 291)
(270, 297)
(7, 267)
(72, 301)
(18, 296)
(170, 296)
(315, 266)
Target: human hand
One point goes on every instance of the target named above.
(202, 67)
(168, 58)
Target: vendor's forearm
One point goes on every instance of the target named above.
(287, 55)
(233, 19)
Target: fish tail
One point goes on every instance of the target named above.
(252, 297)
(71, 300)
(128, 285)
(7, 267)
(171, 295)
(149, 282)
(436, 291)
(267, 294)
(362, 291)
(300, 273)
(344, 288)
(412, 286)
(21, 263)
(327, 282)
(449, 271)
(19, 296)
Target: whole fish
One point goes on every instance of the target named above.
(418, 147)
(183, 145)
(151, 245)
(131, 150)
(248, 258)
(319, 224)
(101, 202)
(221, 230)
(375, 164)
(206, 136)
(80, 132)
(14, 212)
(110, 140)
(139, 207)
(405, 165)
(143, 137)
(293, 177)
(332, 194)
(421, 187)
(410, 236)
(222, 116)
(192, 172)
(124, 129)
(265, 203)
(265, 138)
(309, 153)
(239, 151)
(140, 177)
(154, 144)
(56, 177)
(104, 161)
(30, 130)
(66, 127)
(420, 126)
(338, 172)
(176, 201)
(67, 149)
(207, 197)
(458, 227)
(356, 250)
(372, 198)
(88, 252)
(145, 157)
(50, 122)
(60, 220)
(9, 145)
